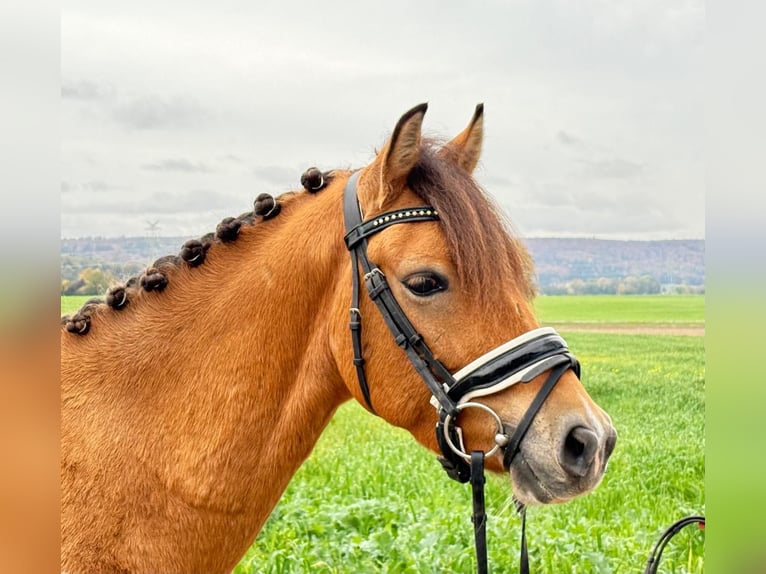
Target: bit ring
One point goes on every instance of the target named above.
(460, 407)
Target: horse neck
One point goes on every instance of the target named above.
(226, 378)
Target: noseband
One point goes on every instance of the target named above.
(517, 361)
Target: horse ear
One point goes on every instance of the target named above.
(397, 158)
(465, 148)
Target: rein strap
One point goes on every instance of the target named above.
(479, 515)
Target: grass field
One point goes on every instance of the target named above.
(667, 309)
(371, 500)
(72, 303)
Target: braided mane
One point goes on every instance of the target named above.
(193, 253)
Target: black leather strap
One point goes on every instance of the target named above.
(380, 222)
(435, 375)
(654, 559)
(523, 555)
(455, 466)
(352, 218)
(526, 421)
(479, 517)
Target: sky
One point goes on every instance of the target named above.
(174, 115)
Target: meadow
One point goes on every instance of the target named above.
(371, 500)
(645, 309)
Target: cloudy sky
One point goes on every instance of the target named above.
(180, 112)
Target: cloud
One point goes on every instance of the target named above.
(154, 112)
(178, 164)
(197, 200)
(97, 186)
(84, 90)
(101, 186)
(588, 220)
(613, 168)
(576, 93)
(232, 158)
(277, 175)
(568, 139)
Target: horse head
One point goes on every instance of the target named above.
(465, 285)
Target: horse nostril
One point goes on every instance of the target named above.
(579, 451)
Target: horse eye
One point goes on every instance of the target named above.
(425, 284)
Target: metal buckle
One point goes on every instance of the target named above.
(373, 272)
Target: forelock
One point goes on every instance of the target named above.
(479, 237)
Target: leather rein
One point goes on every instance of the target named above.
(519, 360)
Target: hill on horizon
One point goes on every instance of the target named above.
(562, 264)
(669, 261)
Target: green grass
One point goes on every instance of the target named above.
(621, 308)
(370, 499)
(71, 303)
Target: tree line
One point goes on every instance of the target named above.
(630, 285)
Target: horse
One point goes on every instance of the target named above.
(193, 392)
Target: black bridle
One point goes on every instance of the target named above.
(519, 360)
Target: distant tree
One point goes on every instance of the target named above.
(643, 285)
(555, 289)
(688, 289)
(97, 280)
(576, 287)
(74, 287)
(606, 285)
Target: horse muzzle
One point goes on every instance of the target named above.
(556, 475)
(565, 455)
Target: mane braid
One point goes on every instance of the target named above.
(475, 229)
(193, 252)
